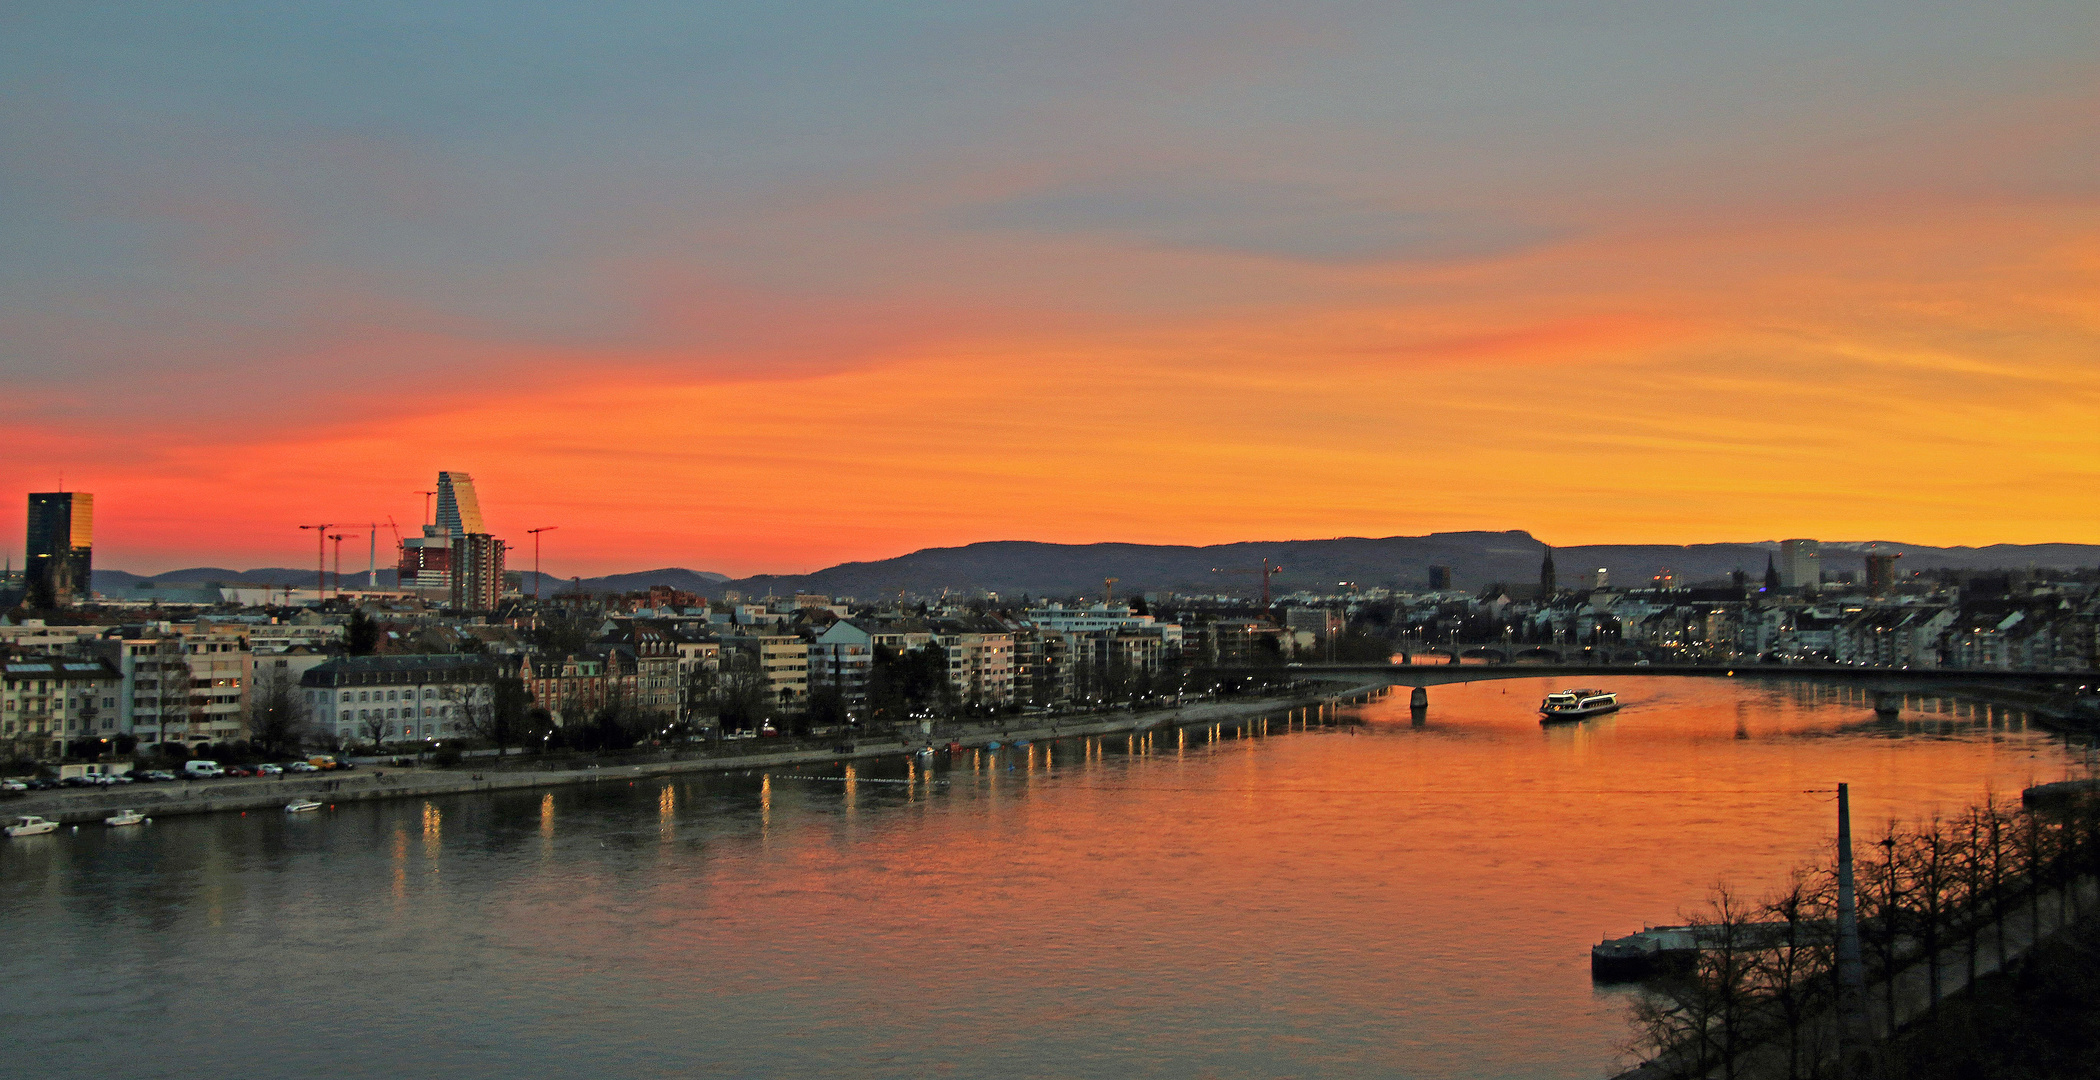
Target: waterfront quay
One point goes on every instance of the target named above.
(378, 780)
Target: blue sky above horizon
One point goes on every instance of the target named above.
(281, 259)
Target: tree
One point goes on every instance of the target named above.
(827, 708)
(493, 709)
(1702, 1020)
(699, 704)
(376, 728)
(744, 701)
(562, 633)
(909, 683)
(1791, 972)
(361, 638)
(277, 713)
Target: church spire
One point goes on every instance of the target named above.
(1548, 581)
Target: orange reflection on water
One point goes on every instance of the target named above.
(1424, 898)
(433, 830)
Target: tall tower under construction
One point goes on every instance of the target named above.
(458, 508)
(456, 557)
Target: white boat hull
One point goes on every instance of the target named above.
(1550, 715)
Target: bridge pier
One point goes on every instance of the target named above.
(1418, 702)
(1888, 706)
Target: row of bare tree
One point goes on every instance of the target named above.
(1933, 893)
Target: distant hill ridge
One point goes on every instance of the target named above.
(1044, 569)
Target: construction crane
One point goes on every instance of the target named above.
(339, 538)
(1267, 571)
(1108, 590)
(320, 558)
(535, 533)
(397, 547)
(426, 505)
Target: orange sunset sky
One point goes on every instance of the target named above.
(769, 288)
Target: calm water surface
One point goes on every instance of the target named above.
(1354, 896)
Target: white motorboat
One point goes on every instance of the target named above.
(301, 806)
(1577, 705)
(125, 817)
(31, 825)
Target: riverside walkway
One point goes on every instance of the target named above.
(370, 783)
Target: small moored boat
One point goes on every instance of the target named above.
(125, 817)
(301, 806)
(31, 825)
(1577, 705)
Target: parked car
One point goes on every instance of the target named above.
(42, 783)
(77, 781)
(301, 766)
(13, 785)
(271, 770)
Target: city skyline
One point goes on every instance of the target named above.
(1348, 270)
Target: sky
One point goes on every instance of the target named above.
(766, 287)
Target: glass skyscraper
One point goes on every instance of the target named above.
(61, 548)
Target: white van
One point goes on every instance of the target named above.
(202, 770)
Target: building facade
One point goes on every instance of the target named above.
(48, 702)
(61, 561)
(400, 698)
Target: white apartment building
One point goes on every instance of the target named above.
(398, 698)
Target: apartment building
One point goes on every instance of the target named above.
(47, 702)
(395, 698)
(980, 660)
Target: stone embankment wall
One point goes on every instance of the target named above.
(364, 784)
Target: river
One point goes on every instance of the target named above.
(1350, 894)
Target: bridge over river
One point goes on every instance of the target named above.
(2048, 691)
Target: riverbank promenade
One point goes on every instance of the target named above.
(486, 774)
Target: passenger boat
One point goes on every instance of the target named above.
(301, 806)
(1577, 705)
(125, 817)
(31, 825)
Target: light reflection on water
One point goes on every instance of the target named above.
(1353, 894)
